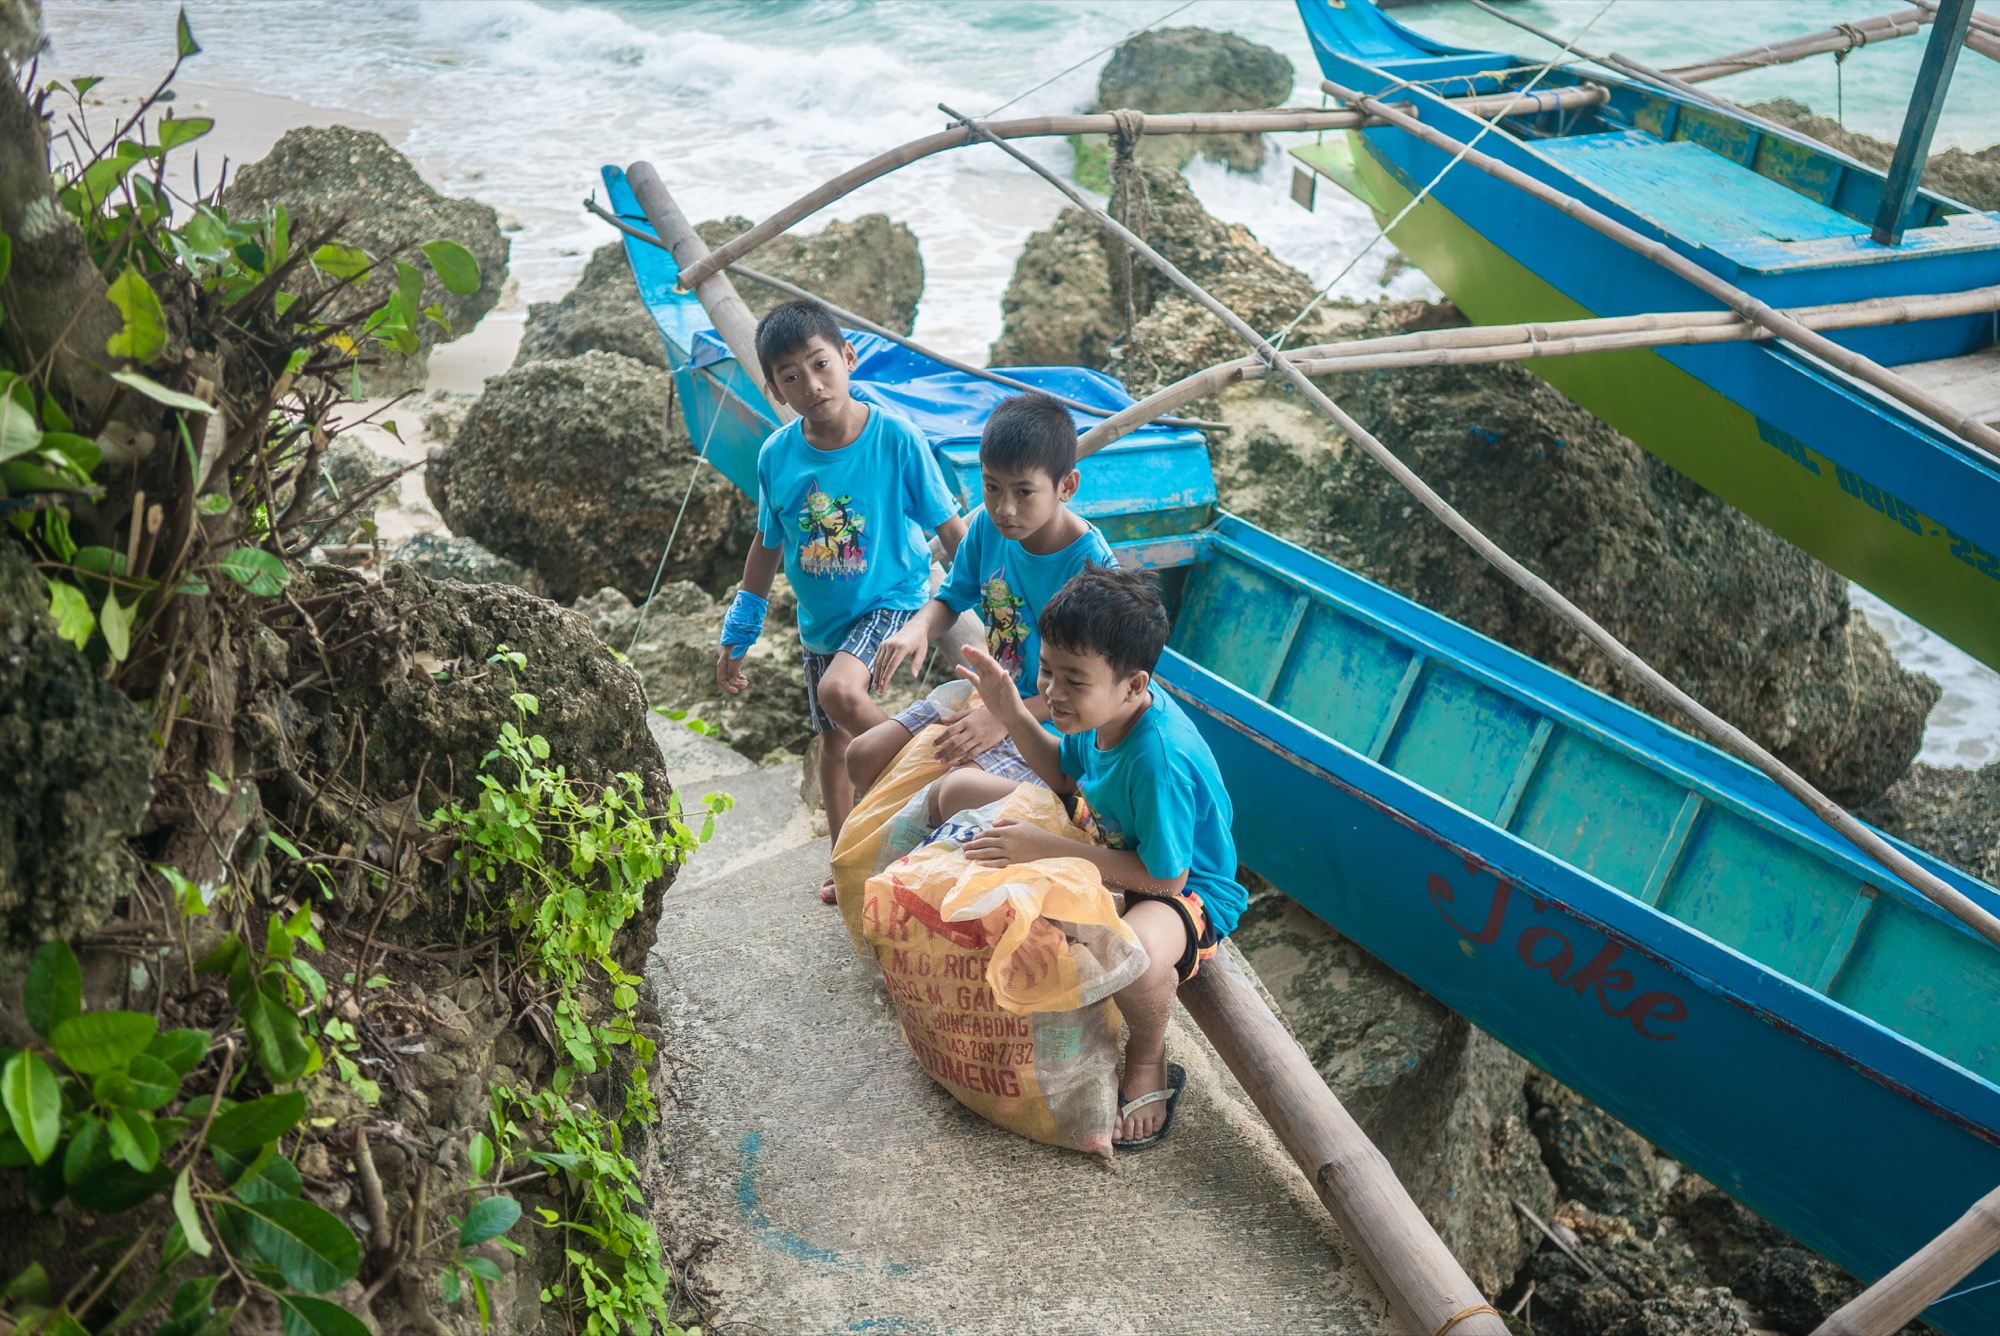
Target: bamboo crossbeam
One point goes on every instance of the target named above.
(1928, 405)
(1034, 127)
(1984, 36)
(1946, 897)
(726, 311)
(1426, 1286)
(1846, 37)
(1892, 1302)
(859, 321)
(1516, 343)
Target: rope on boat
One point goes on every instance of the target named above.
(1945, 896)
(673, 532)
(859, 321)
(1188, 4)
(1278, 339)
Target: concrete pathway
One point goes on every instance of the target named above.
(825, 1184)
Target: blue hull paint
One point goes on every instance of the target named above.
(1949, 493)
(1756, 1080)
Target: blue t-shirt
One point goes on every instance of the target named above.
(1010, 586)
(1159, 794)
(851, 521)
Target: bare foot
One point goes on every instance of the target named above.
(826, 895)
(1142, 1078)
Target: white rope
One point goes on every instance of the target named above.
(674, 532)
(1087, 59)
(1278, 339)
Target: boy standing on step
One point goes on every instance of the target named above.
(1021, 546)
(1151, 797)
(845, 495)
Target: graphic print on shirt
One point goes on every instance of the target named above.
(832, 529)
(1101, 829)
(1007, 624)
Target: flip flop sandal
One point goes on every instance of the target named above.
(1171, 1096)
(825, 891)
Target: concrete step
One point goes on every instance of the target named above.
(823, 1183)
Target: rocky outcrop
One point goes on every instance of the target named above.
(79, 767)
(1971, 178)
(1949, 812)
(323, 174)
(1057, 310)
(1196, 69)
(1746, 623)
(1442, 1100)
(575, 469)
(442, 557)
(602, 313)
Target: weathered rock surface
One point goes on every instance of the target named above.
(1748, 624)
(442, 557)
(79, 770)
(1196, 69)
(1058, 309)
(1949, 812)
(1443, 1101)
(1594, 1158)
(1971, 178)
(602, 312)
(322, 174)
(869, 265)
(575, 469)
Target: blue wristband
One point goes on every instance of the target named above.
(744, 622)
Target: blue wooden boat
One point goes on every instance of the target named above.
(1855, 478)
(1641, 915)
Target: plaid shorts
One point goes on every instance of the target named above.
(863, 639)
(1003, 758)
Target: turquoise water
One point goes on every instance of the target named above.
(744, 106)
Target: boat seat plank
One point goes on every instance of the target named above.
(1970, 384)
(1689, 190)
(1239, 622)
(1929, 982)
(1754, 889)
(1341, 678)
(1599, 811)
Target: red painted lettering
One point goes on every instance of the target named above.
(1442, 894)
(1664, 1006)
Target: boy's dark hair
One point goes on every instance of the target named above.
(791, 325)
(1111, 612)
(1029, 431)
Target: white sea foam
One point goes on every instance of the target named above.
(744, 106)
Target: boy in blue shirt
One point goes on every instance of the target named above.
(845, 494)
(1021, 546)
(1152, 798)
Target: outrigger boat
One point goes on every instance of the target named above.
(1648, 919)
(1886, 497)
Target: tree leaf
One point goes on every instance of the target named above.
(82, 1153)
(340, 261)
(145, 331)
(115, 620)
(248, 1126)
(455, 267)
(307, 1316)
(256, 570)
(54, 990)
(479, 1155)
(98, 1041)
(184, 43)
(189, 1217)
(71, 610)
(33, 1103)
(308, 1245)
(181, 1049)
(160, 394)
(488, 1219)
(154, 1084)
(174, 131)
(19, 432)
(133, 1139)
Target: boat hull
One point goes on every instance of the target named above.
(1825, 466)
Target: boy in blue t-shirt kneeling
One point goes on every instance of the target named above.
(1021, 546)
(1152, 797)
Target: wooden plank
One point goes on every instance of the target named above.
(1282, 651)
(1380, 743)
(1428, 1290)
(1970, 383)
(1670, 852)
(1524, 772)
(1843, 941)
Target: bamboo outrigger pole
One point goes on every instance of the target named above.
(1519, 343)
(1194, 123)
(1946, 415)
(1945, 896)
(1892, 1302)
(1846, 37)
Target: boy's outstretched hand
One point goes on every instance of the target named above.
(995, 684)
(729, 671)
(906, 645)
(967, 734)
(1011, 841)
